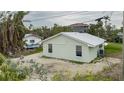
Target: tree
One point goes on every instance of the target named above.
(12, 31)
(46, 32)
(97, 29)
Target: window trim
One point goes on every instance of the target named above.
(79, 51)
(50, 48)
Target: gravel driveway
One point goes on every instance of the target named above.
(57, 65)
(35, 57)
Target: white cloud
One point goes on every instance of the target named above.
(80, 16)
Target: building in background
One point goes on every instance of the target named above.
(79, 27)
(119, 37)
(32, 41)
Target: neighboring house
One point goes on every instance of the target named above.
(119, 37)
(32, 41)
(79, 27)
(81, 47)
(120, 34)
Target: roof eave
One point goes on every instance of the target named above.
(89, 45)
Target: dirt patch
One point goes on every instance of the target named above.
(115, 55)
(55, 65)
(115, 72)
(64, 66)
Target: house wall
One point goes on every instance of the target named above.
(93, 51)
(65, 48)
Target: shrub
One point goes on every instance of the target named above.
(79, 77)
(91, 77)
(62, 76)
(10, 71)
(57, 77)
(37, 69)
(2, 59)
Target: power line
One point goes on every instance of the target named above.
(94, 19)
(54, 16)
(79, 12)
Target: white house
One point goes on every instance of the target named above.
(76, 46)
(32, 41)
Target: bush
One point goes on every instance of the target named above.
(2, 59)
(66, 76)
(40, 70)
(91, 77)
(10, 71)
(79, 77)
(57, 77)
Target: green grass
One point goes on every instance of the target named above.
(38, 50)
(113, 49)
(33, 51)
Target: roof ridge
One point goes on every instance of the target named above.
(83, 37)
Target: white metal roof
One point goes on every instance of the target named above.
(85, 37)
(30, 35)
(89, 39)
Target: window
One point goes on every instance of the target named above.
(50, 48)
(78, 51)
(32, 41)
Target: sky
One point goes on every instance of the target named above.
(49, 18)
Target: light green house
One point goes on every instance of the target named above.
(75, 46)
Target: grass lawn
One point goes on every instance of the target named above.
(113, 50)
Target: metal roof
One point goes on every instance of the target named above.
(30, 35)
(85, 37)
(79, 24)
(89, 39)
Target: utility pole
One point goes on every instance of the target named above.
(123, 51)
(106, 28)
(106, 18)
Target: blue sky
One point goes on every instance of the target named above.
(48, 18)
